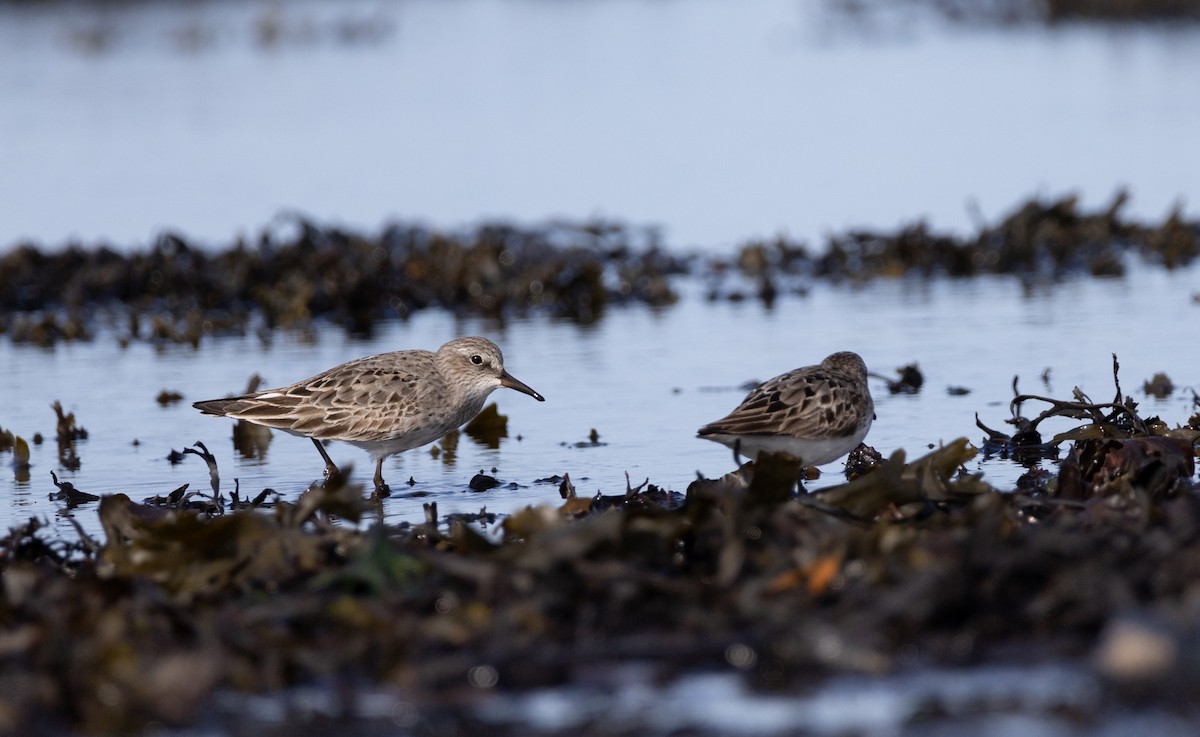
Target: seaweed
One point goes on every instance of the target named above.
(1159, 386)
(1009, 12)
(593, 441)
(482, 482)
(176, 292)
(742, 573)
(909, 380)
(69, 494)
(68, 431)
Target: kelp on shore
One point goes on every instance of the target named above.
(912, 563)
(179, 292)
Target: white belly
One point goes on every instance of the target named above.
(810, 451)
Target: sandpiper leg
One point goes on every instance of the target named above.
(800, 488)
(381, 488)
(330, 468)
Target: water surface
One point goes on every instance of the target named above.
(721, 121)
(644, 379)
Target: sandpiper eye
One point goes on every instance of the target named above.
(477, 359)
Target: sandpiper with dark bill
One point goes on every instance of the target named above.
(815, 414)
(385, 403)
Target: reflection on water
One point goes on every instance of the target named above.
(643, 379)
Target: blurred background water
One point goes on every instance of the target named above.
(719, 121)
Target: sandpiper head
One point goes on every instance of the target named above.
(847, 362)
(480, 361)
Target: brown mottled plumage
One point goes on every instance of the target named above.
(816, 413)
(384, 404)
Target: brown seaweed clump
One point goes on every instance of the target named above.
(1113, 445)
(1038, 241)
(1007, 12)
(68, 432)
(10, 442)
(179, 292)
(911, 562)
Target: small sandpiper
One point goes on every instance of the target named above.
(384, 404)
(815, 414)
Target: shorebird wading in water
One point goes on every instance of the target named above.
(815, 414)
(384, 404)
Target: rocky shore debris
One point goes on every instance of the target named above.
(909, 563)
(482, 482)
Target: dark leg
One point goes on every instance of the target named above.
(381, 489)
(800, 479)
(737, 453)
(330, 469)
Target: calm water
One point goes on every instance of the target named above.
(644, 380)
(719, 120)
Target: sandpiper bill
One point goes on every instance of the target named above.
(384, 404)
(815, 414)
